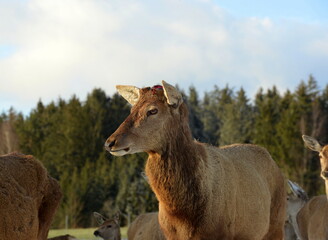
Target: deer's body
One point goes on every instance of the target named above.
(236, 193)
(29, 198)
(312, 219)
(145, 227)
(204, 192)
(63, 237)
(308, 217)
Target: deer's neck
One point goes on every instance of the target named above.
(176, 176)
(293, 218)
(117, 237)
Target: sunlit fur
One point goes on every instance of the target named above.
(63, 237)
(204, 192)
(324, 165)
(145, 227)
(29, 198)
(309, 217)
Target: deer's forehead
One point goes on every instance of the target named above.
(108, 222)
(150, 96)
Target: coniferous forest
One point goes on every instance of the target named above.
(68, 136)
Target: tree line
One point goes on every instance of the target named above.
(68, 138)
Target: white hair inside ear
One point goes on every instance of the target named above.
(173, 96)
(312, 143)
(130, 93)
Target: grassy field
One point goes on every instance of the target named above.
(81, 233)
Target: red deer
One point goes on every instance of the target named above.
(308, 217)
(145, 227)
(109, 229)
(204, 192)
(314, 145)
(29, 198)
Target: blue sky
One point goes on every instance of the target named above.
(51, 49)
(302, 10)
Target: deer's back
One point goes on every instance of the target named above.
(145, 227)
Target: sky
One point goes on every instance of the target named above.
(56, 49)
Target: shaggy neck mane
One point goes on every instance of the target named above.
(174, 173)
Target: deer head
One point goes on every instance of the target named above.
(297, 199)
(314, 145)
(109, 229)
(154, 111)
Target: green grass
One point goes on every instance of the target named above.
(81, 233)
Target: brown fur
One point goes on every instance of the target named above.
(308, 217)
(63, 237)
(312, 219)
(324, 161)
(145, 227)
(29, 198)
(204, 192)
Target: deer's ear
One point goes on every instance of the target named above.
(99, 218)
(173, 96)
(297, 190)
(312, 143)
(130, 93)
(117, 217)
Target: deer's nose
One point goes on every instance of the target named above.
(112, 143)
(96, 233)
(109, 144)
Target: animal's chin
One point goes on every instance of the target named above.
(121, 152)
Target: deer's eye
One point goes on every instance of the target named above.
(109, 226)
(152, 112)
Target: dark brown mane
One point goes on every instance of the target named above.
(177, 169)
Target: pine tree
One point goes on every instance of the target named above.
(308, 104)
(237, 120)
(214, 106)
(195, 123)
(267, 116)
(290, 148)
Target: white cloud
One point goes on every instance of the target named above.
(66, 47)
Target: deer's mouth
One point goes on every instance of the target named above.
(119, 152)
